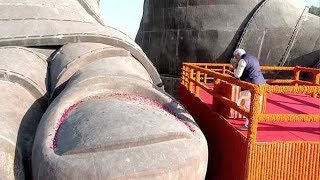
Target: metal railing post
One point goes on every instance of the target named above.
(187, 77)
(197, 81)
(255, 110)
(190, 82)
(205, 75)
(296, 75)
(216, 90)
(316, 81)
(183, 74)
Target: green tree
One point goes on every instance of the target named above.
(314, 10)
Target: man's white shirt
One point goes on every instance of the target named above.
(240, 68)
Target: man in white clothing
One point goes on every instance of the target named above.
(247, 68)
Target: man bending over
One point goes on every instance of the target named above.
(247, 68)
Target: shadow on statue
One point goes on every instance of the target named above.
(25, 139)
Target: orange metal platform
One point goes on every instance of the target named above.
(283, 140)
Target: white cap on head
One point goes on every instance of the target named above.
(239, 52)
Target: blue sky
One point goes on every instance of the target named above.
(125, 15)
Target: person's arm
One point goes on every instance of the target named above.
(234, 63)
(240, 68)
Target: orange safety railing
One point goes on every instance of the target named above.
(199, 75)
